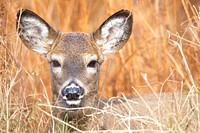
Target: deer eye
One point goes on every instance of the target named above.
(92, 64)
(55, 63)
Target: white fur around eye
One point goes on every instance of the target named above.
(56, 70)
(88, 58)
(60, 59)
(92, 70)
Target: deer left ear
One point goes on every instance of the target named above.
(35, 33)
(114, 32)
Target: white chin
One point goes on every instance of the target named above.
(73, 102)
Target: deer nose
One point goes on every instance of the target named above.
(72, 92)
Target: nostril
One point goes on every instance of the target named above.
(72, 96)
(72, 92)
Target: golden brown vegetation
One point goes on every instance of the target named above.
(161, 55)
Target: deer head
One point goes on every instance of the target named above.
(74, 58)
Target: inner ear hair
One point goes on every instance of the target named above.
(114, 32)
(35, 32)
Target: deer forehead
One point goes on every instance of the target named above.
(74, 46)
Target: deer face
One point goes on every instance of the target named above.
(74, 58)
(75, 69)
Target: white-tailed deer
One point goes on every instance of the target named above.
(74, 58)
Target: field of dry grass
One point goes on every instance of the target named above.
(162, 54)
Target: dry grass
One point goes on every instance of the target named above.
(161, 55)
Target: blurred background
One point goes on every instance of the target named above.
(150, 61)
(146, 52)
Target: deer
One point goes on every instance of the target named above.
(75, 60)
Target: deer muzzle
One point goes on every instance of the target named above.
(73, 94)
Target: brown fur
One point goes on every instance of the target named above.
(70, 55)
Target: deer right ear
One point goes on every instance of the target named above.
(114, 32)
(34, 32)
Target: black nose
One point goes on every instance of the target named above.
(72, 92)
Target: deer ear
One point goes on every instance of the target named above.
(34, 32)
(114, 32)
